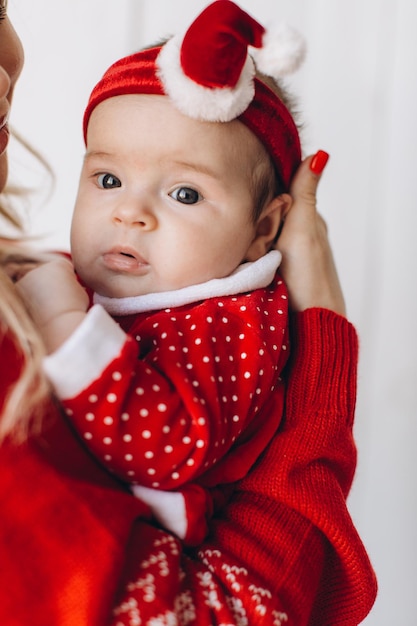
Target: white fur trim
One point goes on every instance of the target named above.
(283, 51)
(81, 359)
(246, 277)
(168, 507)
(197, 101)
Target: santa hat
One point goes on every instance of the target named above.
(209, 75)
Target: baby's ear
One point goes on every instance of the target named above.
(267, 226)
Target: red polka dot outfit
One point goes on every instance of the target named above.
(190, 397)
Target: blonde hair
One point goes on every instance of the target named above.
(25, 400)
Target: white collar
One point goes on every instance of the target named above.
(247, 277)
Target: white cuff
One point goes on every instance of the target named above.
(96, 342)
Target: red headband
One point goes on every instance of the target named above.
(209, 75)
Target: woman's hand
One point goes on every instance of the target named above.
(55, 300)
(307, 265)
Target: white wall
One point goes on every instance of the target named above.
(358, 91)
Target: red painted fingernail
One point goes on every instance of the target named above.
(318, 162)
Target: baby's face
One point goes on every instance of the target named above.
(164, 201)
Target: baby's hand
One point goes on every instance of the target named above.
(55, 300)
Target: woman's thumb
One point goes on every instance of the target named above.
(306, 179)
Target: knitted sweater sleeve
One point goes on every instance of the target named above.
(288, 520)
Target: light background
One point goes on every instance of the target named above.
(358, 98)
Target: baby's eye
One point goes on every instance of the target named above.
(108, 181)
(186, 195)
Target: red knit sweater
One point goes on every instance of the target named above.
(68, 530)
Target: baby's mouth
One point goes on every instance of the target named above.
(126, 261)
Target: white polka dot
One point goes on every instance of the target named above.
(197, 341)
(206, 359)
(280, 311)
(243, 308)
(235, 398)
(140, 391)
(125, 417)
(201, 421)
(149, 454)
(111, 397)
(155, 325)
(175, 475)
(190, 462)
(284, 347)
(69, 411)
(261, 352)
(156, 388)
(164, 335)
(168, 449)
(220, 304)
(241, 336)
(116, 376)
(107, 441)
(235, 418)
(166, 430)
(200, 443)
(189, 366)
(196, 383)
(144, 412)
(185, 349)
(225, 320)
(107, 457)
(90, 417)
(88, 436)
(93, 398)
(228, 339)
(243, 355)
(172, 348)
(246, 375)
(224, 399)
(186, 439)
(146, 434)
(108, 420)
(151, 471)
(128, 457)
(209, 320)
(162, 407)
(127, 438)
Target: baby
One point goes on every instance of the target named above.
(173, 377)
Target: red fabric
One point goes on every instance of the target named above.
(215, 46)
(69, 533)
